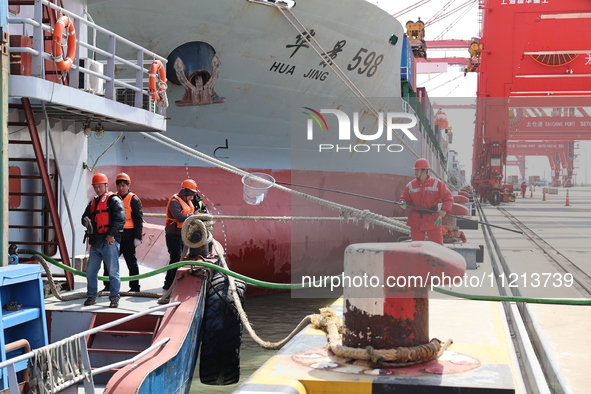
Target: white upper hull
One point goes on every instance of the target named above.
(266, 79)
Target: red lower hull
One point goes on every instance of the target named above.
(276, 251)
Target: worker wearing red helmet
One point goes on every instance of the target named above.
(180, 206)
(132, 230)
(424, 193)
(104, 219)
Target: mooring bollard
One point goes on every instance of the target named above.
(386, 302)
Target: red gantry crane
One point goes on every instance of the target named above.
(534, 82)
(560, 154)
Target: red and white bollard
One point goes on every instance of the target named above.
(544, 195)
(531, 192)
(567, 199)
(387, 298)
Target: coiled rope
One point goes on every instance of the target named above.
(199, 223)
(398, 357)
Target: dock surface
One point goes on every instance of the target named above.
(552, 349)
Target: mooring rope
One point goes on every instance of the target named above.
(344, 211)
(244, 318)
(399, 357)
(274, 218)
(328, 322)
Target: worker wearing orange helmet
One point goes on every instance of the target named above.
(104, 219)
(424, 193)
(132, 230)
(180, 206)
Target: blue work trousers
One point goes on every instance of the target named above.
(109, 254)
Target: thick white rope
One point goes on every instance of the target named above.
(242, 314)
(274, 218)
(344, 211)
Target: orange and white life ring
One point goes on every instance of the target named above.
(58, 55)
(157, 72)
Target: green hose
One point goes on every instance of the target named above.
(288, 286)
(555, 301)
(255, 282)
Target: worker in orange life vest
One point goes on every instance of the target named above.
(105, 215)
(132, 230)
(523, 189)
(426, 192)
(453, 234)
(180, 206)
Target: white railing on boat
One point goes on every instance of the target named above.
(79, 340)
(430, 148)
(103, 67)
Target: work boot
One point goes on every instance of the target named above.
(114, 302)
(135, 289)
(90, 301)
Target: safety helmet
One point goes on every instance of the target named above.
(123, 177)
(189, 184)
(99, 178)
(422, 164)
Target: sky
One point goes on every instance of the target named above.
(452, 86)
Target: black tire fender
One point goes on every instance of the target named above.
(221, 333)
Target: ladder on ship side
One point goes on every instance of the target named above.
(38, 224)
(117, 343)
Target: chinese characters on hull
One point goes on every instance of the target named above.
(365, 62)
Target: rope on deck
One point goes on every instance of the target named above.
(57, 366)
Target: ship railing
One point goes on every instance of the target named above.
(73, 350)
(114, 65)
(425, 128)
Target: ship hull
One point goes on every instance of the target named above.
(279, 250)
(259, 120)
